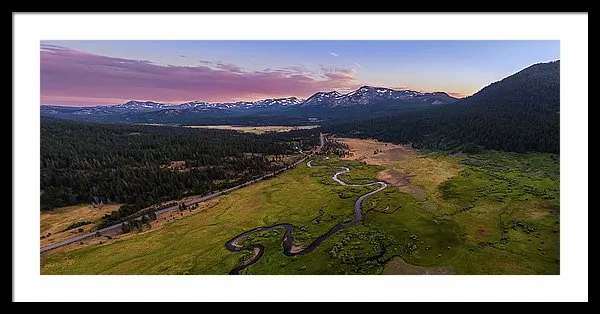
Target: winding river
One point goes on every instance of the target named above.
(288, 237)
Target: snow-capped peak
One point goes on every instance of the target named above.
(371, 94)
(364, 95)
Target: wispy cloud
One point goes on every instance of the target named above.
(223, 66)
(334, 54)
(77, 78)
(356, 64)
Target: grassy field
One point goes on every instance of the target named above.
(255, 129)
(195, 244)
(54, 222)
(491, 213)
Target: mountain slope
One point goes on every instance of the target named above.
(519, 113)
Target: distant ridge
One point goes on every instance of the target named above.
(366, 100)
(518, 113)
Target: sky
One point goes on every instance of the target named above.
(102, 72)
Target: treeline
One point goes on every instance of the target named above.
(337, 148)
(519, 113)
(138, 223)
(81, 163)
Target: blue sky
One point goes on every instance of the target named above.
(249, 70)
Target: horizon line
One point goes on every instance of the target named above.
(453, 95)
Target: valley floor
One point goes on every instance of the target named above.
(490, 213)
(254, 129)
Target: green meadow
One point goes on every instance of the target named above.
(499, 215)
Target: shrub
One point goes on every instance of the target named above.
(125, 227)
(76, 225)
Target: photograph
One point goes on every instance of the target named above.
(300, 157)
(273, 157)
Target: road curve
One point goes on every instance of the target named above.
(188, 203)
(288, 236)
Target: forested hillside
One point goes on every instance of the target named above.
(143, 165)
(519, 113)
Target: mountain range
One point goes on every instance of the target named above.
(518, 113)
(366, 100)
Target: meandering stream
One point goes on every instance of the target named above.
(288, 237)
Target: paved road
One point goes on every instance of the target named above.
(288, 236)
(188, 203)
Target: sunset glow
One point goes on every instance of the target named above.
(82, 73)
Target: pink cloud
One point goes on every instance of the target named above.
(79, 78)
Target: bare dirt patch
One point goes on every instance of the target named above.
(397, 159)
(394, 177)
(406, 168)
(397, 266)
(402, 181)
(364, 150)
